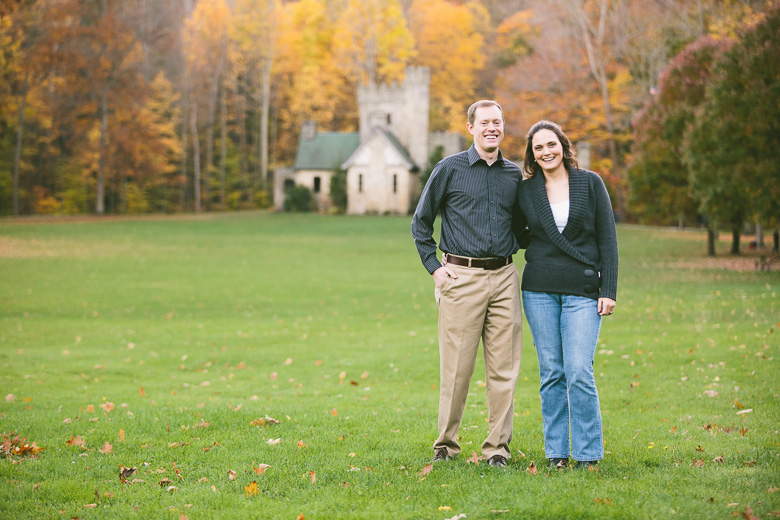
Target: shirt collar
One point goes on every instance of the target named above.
(474, 156)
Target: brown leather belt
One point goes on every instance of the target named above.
(490, 263)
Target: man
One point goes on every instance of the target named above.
(477, 288)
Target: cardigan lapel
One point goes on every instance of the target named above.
(542, 208)
(578, 203)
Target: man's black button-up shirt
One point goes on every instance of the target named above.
(475, 201)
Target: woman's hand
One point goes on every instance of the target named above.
(606, 306)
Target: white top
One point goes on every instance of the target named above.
(560, 213)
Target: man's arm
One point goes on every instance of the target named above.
(425, 215)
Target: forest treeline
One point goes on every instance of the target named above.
(139, 106)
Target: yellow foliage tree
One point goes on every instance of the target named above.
(372, 43)
(450, 43)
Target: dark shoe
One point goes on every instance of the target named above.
(559, 463)
(441, 455)
(497, 461)
(586, 464)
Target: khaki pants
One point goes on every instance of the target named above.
(485, 305)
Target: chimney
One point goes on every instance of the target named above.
(309, 130)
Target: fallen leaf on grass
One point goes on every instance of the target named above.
(126, 472)
(107, 407)
(261, 468)
(457, 517)
(334, 412)
(15, 446)
(165, 482)
(121, 435)
(251, 489)
(699, 448)
(445, 508)
(301, 517)
(697, 463)
(711, 393)
(76, 441)
(264, 421)
(89, 506)
(141, 391)
(748, 514)
(274, 442)
(10, 398)
(474, 459)
(747, 410)
(313, 477)
(531, 469)
(605, 500)
(301, 444)
(426, 470)
(719, 458)
(106, 449)
(231, 475)
(738, 404)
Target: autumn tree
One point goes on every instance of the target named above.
(659, 176)
(372, 42)
(731, 147)
(451, 43)
(309, 82)
(206, 49)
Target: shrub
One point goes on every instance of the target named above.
(299, 198)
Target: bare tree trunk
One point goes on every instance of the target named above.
(264, 120)
(213, 93)
(759, 235)
(593, 36)
(195, 153)
(242, 151)
(184, 125)
(222, 146)
(101, 174)
(19, 134)
(710, 241)
(736, 233)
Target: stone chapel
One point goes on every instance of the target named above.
(382, 160)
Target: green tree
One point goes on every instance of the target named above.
(731, 148)
(659, 178)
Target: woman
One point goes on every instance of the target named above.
(569, 283)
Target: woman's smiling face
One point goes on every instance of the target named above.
(548, 151)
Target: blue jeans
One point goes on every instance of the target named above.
(565, 331)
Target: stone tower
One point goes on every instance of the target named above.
(401, 109)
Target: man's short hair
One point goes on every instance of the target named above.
(483, 103)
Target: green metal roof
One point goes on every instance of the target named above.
(327, 151)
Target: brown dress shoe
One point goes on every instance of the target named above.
(440, 455)
(497, 461)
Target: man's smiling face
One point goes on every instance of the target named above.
(488, 128)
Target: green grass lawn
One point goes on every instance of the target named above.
(158, 343)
